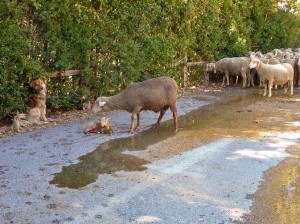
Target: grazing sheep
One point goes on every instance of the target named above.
(157, 94)
(282, 74)
(237, 66)
(99, 127)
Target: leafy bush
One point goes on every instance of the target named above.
(119, 42)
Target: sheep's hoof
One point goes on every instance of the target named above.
(130, 132)
(157, 124)
(269, 95)
(265, 94)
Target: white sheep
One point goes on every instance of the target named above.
(281, 74)
(236, 66)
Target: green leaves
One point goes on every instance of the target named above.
(120, 42)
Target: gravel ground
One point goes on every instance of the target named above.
(204, 173)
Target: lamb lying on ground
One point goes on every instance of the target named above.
(103, 127)
(157, 94)
(279, 74)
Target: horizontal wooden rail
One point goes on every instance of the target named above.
(65, 73)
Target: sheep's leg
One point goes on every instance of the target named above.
(261, 83)
(270, 88)
(249, 79)
(162, 113)
(223, 82)
(138, 125)
(292, 88)
(132, 123)
(244, 77)
(285, 88)
(175, 117)
(265, 84)
(227, 77)
(237, 80)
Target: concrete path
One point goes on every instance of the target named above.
(208, 183)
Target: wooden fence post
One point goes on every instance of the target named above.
(187, 65)
(185, 72)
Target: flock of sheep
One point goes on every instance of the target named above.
(278, 67)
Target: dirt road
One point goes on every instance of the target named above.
(235, 158)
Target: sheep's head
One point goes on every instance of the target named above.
(211, 67)
(253, 55)
(287, 55)
(100, 105)
(270, 55)
(255, 62)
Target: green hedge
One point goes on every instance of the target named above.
(118, 42)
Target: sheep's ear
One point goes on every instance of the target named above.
(102, 103)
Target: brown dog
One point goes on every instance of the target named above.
(36, 105)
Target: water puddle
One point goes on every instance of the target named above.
(236, 115)
(108, 158)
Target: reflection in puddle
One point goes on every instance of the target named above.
(108, 158)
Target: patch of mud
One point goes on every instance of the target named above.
(278, 199)
(245, 116)
(108, 158)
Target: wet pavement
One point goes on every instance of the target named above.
(234, 151)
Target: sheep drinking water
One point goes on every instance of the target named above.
(157, 94)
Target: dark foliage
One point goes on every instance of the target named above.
(119, 42)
